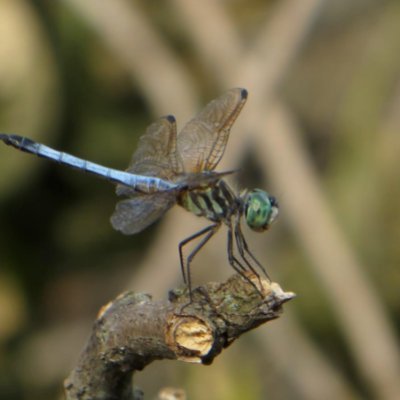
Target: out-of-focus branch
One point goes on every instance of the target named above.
(261, 69)
(362, 316)
(225, 62)
(132, 331)
(282, 155)
(121, 25)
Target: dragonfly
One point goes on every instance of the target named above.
(169, 168)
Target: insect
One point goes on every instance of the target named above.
(169, 168)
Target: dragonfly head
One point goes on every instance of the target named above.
(260, 209)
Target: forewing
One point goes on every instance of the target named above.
(202, 142)
(137, 213)
(156, 154)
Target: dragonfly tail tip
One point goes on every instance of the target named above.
(171, 119)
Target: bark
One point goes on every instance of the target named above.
(133, 330)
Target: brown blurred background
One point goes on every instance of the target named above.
(320, 130)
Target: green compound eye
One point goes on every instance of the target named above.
(260, 210)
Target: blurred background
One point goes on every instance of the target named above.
(320, 131)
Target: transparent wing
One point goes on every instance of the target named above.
(137, 213)
(202, 142)
(156, 154)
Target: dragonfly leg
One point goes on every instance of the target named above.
(207, 232)
(243, 249)
(235, 264)
(233, 261)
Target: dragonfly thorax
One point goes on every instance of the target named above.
(260, 209)
(215, 202)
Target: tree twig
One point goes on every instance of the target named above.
(133, 330)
